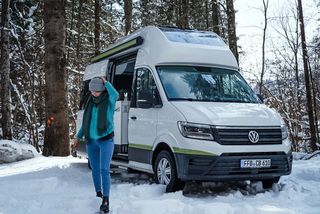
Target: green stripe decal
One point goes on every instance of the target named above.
(140, 146)
(114, 50)
(175, 150)
(191, 152)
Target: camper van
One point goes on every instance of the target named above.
(185, 113)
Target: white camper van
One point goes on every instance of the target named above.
(185, 113)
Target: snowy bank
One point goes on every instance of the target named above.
(11, 151)
(59, 185)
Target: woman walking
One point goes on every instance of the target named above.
(97, 131)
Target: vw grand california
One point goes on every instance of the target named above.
(185, 113)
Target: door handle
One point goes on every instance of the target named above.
(133, 117)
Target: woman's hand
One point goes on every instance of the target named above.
(75, 143)
(103, 80)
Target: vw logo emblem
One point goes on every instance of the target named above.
(253, 136)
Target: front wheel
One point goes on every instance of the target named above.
(268, 183)
(166, 172)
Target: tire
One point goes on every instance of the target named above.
(166, 172)
(268, 183)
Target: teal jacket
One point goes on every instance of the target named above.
(93, 131)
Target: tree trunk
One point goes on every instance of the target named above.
(207, 14)
(127, 16)
(215, 17)
(265, 13)
(232, 37)
(79, 23)
(56, 140)
(178, 13)
(185, 13)
(71, 28)
(96, 26)
(313, 144)
(5, 72)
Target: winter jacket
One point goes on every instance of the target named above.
(93, 131)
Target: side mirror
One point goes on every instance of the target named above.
(260, 97)
(144, 99)
(144, 104)
(149, 99)
(157, 99)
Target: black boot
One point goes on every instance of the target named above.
(105, 205)
(99, 194)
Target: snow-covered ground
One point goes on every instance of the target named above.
(63, 185)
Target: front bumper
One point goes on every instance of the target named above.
(226, 167)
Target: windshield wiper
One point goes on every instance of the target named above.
(209, 100)
(234, 101)
(186, 99)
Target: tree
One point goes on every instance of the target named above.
(313, 144)
(232, 37)
(263, 63)
(5, 72)
(215, 17)
(57, 127)
(97, 26)
(127, 16)
(147, 10)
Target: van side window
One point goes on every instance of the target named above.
(146, 90)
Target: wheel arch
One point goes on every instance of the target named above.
(160, 147)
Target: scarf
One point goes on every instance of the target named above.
(102, 103)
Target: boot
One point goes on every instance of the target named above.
(99, 194)
(105, 205)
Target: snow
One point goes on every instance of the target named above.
(11, 151)
(64, 185)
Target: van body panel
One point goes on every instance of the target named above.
(155, 53)
(228, 114)
(142, 129)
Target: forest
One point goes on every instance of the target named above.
(46, 45)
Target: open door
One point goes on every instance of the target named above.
(121, 76)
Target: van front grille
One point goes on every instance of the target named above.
(229, 164)
(240, 136)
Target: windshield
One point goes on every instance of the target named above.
(205, 84)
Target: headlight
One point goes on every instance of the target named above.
(284, 132)
(196, 131)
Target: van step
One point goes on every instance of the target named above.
(120, 163)
(123, 154)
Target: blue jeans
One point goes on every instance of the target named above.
(100, 154)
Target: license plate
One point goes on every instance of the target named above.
(255, 163)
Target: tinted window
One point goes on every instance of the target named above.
(145, 88)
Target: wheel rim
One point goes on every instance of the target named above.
(164, 171)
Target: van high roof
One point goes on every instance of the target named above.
(172, 46)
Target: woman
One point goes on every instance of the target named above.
(97, 131)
